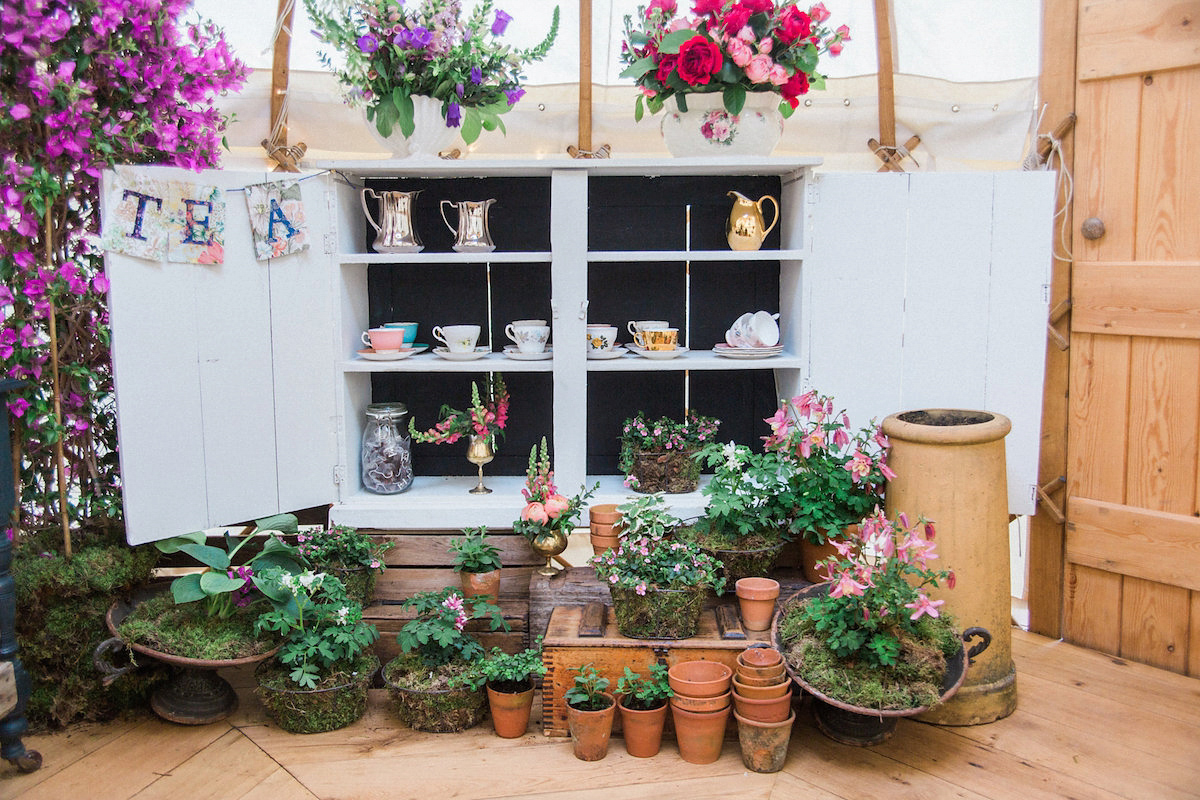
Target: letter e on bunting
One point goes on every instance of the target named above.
(197, 224)
(276, 219)
(135, 222)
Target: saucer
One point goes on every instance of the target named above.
(662, 355)
(479, 352)
(391, 355)
(722, 349)
(604, 355)
(511, 351)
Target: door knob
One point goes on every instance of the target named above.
(1092, 228)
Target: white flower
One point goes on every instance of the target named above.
(733, 458)
(342, 614)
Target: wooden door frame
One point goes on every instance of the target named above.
(1047, 533)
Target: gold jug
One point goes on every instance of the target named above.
(394, 230)
(745, 230)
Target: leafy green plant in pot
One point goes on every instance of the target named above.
(751, 499)
(319, 679)
(838, 472)
(477, 561)
(871, 644)
(658, 455)
(643, 705)
(509, 678)
(435, 683)
(355, 558)
(657, 581)
(590, 712)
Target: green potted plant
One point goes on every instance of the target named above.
(319, 679)
(548, 517)
(751, 499)
(838, 472)
(657, 581)
(435, 683)
(643, 705)
(424, 64)
(658, 456)
(355, 558)
(509, 679)
(590, 711)
(871, 644)
(477, 561)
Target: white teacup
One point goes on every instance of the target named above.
(647, 325)
(601, 337)
(457, 338)
(528, 338)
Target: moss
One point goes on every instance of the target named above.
(337, 701)
(659, 614)
(423, 700)
(187, 630)
(61, 605)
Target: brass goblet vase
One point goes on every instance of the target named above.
(480, 452)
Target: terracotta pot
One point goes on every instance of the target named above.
(642, 729)
(699, 678)
(590, 730)
(760, 657)
(779, 689)
(759, 676)
(756, 599)
(813, 554)
(753, 680)
(510, 712)
(602, 543)
(764, 744)
(603, 514)
(774, 709)
(481, 584)
(701, 704)
(700, 735)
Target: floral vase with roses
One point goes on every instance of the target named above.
(548, 516)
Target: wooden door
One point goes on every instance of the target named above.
(1133, 519)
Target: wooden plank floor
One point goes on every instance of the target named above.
(1087, 726)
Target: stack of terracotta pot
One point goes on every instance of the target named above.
(605, 526)
(700, 708)
(762, 696)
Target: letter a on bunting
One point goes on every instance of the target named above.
(276, 219)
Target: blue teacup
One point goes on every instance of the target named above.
(410, 330)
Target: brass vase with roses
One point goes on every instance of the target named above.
(548, 517)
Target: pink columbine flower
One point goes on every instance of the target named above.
(846, 585)
(923, 605)
(859, 467)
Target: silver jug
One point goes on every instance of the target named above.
(395, 232)
(471, 235)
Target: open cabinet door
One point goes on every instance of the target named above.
(929, 290)
(225, 405)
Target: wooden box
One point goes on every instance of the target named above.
(564, 649)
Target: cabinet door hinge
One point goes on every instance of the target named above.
(330, 243)
(339, 475)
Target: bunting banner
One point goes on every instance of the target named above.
(135, 223)
(196, 224)
(276, 219)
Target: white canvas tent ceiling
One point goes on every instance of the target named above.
(966, 82)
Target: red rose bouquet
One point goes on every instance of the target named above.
(727, 46)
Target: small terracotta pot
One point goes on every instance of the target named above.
(481, 584)
(774, 709)
(699, 678)
(764, 744)
(510, 712)
(750, 680)
(604, 514)
(642, 729)
(590, 730)
(760, 657)
(762, 692)
(701, 704)
(602, 543)
(756, 599)
(700, 735)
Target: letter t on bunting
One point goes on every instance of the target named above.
(276, 219)
(134, 222)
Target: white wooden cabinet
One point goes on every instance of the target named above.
(257, 405)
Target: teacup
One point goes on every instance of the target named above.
(409, 328)
(457, 338)
(528, 338)
(601, 337)
(647, 325)
(384, 338)
(664, 339)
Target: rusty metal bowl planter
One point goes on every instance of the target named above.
(856, 725)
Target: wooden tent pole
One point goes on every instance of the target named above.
(60, 460)
(286, 158)
(585, 75)
(885, 47)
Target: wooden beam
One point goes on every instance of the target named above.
(1137, 299)
(286, 158)
(885, 45)
(1152, 545)
(1137, 38)
(585, 75)
(1046, 564)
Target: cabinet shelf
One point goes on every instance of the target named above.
(608, 256)
(497, 362)
(423, 258)
(428, 362)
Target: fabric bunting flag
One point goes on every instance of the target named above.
(134, 220)
(276, 219)
(196, 224)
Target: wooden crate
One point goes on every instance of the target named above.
(611, 652)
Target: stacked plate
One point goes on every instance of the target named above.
(725, 350)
